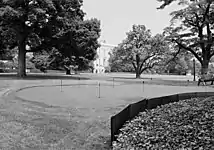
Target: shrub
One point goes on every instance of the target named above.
(187, 124)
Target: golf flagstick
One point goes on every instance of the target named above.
(61, 85)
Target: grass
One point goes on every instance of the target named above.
(156, 81)
(28, 125)
(3, 84)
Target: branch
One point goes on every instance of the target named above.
(146, 60)
(211, 55)
(174, 56)
(206, 12)
(200, 28)
(48, 64)
(188, 49)
(191, 23)
(134, 65)
(148, 67)
(197, 20)
(210, 39)
(40, 47)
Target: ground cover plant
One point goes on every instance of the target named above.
(187, 124)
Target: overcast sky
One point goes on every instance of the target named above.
(118, 16)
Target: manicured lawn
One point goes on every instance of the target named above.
(72, 117)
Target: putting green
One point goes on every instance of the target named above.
(87, 96)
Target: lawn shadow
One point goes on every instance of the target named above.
(157, 81)
(133, 78)
(42, 76)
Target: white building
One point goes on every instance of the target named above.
(103, 56)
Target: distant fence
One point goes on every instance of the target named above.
(132, 110)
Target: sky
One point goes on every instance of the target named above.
(118, 16)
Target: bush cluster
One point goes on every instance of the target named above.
(187, 124)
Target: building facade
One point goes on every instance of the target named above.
(103, 57)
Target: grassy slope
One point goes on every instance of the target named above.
(26, 126)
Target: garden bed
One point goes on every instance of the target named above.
(187, 124)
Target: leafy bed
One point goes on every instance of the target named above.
(187, 124)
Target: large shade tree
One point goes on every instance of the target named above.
(84, 36)
(141, 49)
(192, 30)
(40, 24)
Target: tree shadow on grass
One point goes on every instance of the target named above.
(38, 76)
(133, 78)
(156, 81)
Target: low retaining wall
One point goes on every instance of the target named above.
(132, 110)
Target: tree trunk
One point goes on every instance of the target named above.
(137, 73)
(137, 70)
(204, 67)
(21, 59)
(68, 71)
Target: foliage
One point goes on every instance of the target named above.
(85, 36)
(44, 25)
(11, 56)
(29, 64)
(41, 59)
(116, 65)
(168, 2)
(180, 64)
(186, 124)
(7, 43)
(140, 50)
(192, 30)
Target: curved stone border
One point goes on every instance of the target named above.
(132, 110)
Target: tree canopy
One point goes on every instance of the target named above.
(192, 30)
(141, 50)
(48, 24)
(168, 2)
(84, 36)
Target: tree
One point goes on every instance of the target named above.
(7, 43)
(14, 55)
(40, 24)
(118, 65)
(84, 36)
(179, 65)
(41, 60)
(168, 2)
(194, 31)
(141, 49)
